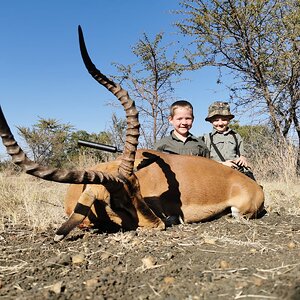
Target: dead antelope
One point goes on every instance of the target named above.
(142, 188)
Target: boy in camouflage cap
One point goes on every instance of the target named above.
(226, 146)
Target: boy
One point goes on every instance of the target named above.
(226, 146)
(180, 140)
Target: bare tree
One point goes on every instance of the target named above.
(118, 131)
(150, 82)
(258, 42)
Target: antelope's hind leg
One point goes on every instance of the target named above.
(81, 211)
(249, 204)
(147, 218)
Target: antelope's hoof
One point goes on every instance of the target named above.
(173, 220)
(58, 237)
(160, 225)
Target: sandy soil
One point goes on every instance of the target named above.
(221, 259)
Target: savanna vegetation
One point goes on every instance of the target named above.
(257, 43)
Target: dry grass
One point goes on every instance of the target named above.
(282, 197)
(275, 170)
(30, 201)
(274, 163)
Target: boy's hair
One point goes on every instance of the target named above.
(180, 103)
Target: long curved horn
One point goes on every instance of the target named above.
(83, 176)
(133, 125)
(51, 174)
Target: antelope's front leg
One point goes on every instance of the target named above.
(81, 210)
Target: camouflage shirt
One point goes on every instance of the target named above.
(191, 146)
(229, 147)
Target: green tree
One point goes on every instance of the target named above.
(76, 151)
(150, 82)
(257, 138)
(56, 144)
(258, 43)
(47, 141)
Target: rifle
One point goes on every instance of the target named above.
(108, 148)
(99, 146)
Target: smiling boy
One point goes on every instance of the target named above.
(225, 145)
(180, 140)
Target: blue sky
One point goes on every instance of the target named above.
(42, 74)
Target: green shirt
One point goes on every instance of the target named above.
(191, 146)
(226, 144)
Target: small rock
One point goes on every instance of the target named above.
(169, 280)
(241, 284)
(148, 262)
(291, 245)
(78, 258)
(107, 270)
(92, 283)
(105, 256)
(58, 261)
(56, 288)
(224, 264)
(258, 281)
(210, 241)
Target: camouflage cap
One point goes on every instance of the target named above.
(219, 109)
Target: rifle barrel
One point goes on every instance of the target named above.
(99, 146)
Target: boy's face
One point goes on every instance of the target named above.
(182, 120)
(220, 123)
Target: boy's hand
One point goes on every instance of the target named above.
(229, 163)
(241, 161)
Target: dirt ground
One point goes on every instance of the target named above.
(221, 259)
